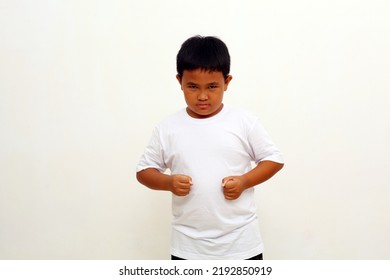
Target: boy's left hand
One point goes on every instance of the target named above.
(232, 187)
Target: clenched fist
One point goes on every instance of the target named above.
(232, 187)
(181, 184)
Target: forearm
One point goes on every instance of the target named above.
(178, 184)
(261, 173)
(154, 179)
(233, 186)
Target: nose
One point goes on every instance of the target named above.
(203, 96)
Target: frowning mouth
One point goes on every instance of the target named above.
(202, 106)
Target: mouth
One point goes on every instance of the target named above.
(202, 106)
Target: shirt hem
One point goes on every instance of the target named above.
(239, 256)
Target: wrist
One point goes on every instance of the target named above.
(169, 183)
(245, 181)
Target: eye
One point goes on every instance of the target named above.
(213, 86)
(192, 86)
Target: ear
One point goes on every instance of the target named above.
(178, 77)
(227, 81)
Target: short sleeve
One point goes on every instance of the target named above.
(153, 156)
(263, 148)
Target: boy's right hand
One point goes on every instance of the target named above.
(181, 184)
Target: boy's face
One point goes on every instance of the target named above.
(203, 92)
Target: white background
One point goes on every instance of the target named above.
(82, 84)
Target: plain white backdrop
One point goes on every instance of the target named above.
(83, 83)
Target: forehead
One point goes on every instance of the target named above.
(202, 76)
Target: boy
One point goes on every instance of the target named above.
(209, 149)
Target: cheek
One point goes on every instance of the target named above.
(188, 96)
(219, 96)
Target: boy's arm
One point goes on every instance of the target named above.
(233, 186)
(178, 184)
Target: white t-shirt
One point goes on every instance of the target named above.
(206, 225)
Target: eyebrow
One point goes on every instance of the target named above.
(195, 84)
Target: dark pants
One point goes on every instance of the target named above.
(258, 257)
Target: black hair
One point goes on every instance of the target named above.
(205, 53)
